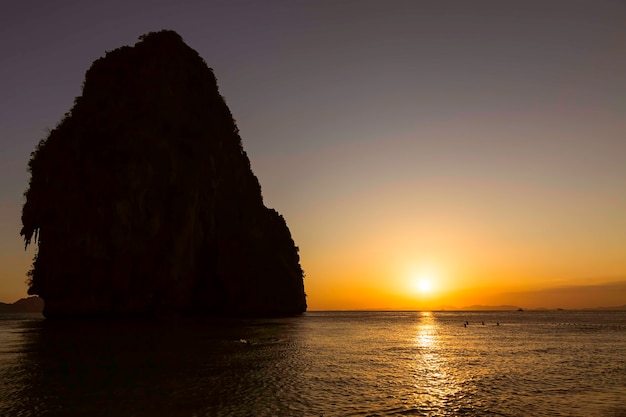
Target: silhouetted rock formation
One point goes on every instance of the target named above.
(142, 200)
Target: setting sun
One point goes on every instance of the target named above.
(424, 285)
(422, 282)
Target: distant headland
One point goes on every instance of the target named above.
(23, 305)
(142, 201)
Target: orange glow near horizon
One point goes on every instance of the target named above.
(404, 262)
(357, 292)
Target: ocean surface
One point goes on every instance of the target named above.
(548, 363)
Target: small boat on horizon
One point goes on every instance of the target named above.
(520, 309)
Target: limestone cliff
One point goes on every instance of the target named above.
(142, 200)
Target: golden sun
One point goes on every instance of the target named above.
(423, 283)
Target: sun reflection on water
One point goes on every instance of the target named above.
(437, 389)
(426, 337)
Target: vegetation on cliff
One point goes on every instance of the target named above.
(142, 200)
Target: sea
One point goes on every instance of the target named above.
(382, 363)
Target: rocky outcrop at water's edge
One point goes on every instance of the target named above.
(142, 200)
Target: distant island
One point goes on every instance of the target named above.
(23, 305)
(477, 307)
(480, 307)
(142, 201)
(516, 308)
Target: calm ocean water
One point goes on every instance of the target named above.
(557, 363)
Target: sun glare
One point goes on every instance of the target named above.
(423, 285)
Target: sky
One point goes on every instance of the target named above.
(423, 153)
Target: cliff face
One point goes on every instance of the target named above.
(142, 200)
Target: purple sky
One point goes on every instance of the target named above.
(373, 119)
